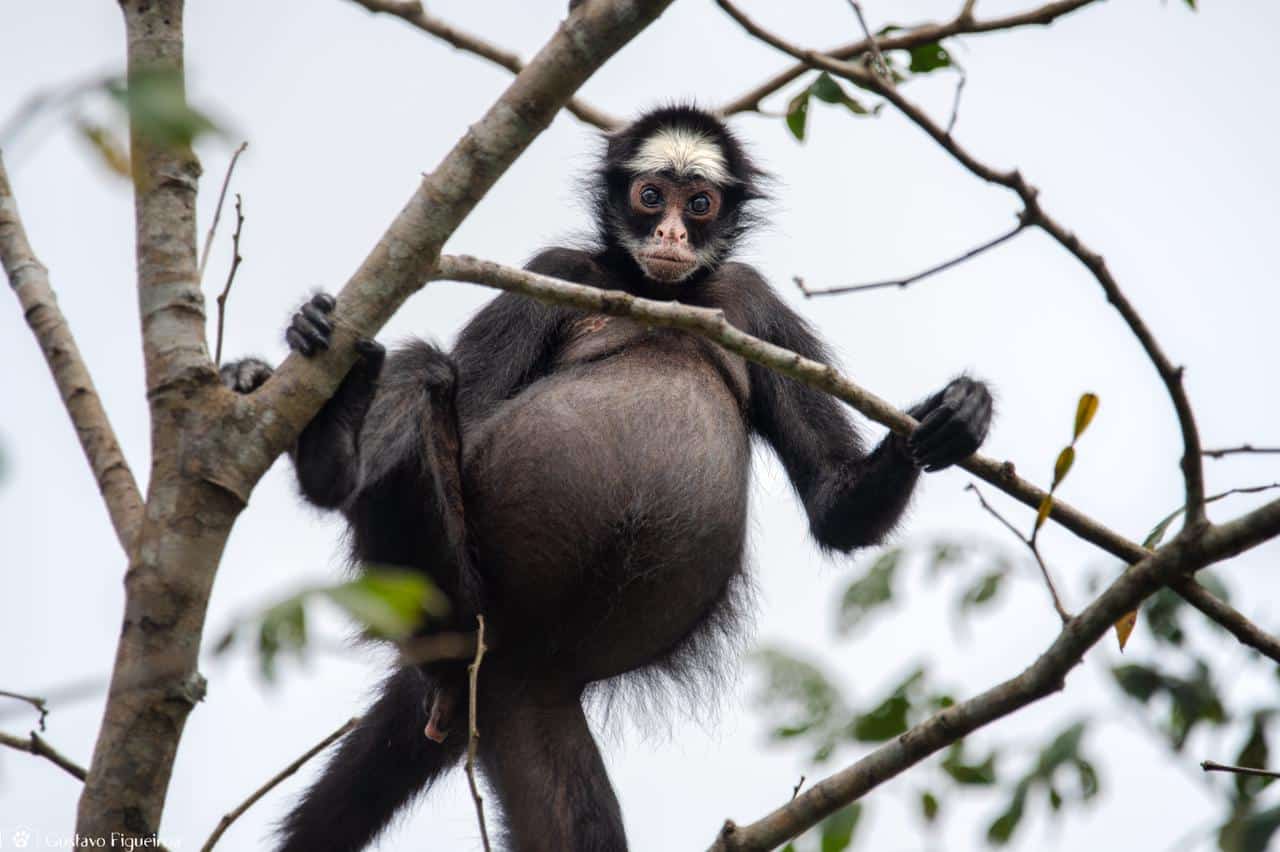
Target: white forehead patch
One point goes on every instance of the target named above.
(686, 152)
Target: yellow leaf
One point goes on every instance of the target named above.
(1087, 407)
(108, 147)
(1124, 627)
(1066, 458)
(1043, 514)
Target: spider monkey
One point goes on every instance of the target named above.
(603, 468)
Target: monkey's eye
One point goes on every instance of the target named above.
(650, 197)
(700, 205)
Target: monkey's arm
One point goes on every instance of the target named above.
(853, 498)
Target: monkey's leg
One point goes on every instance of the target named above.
(538, 753)
(378, 767)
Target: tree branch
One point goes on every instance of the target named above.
(1046, 675)
(1032, 546)
(413, 13)
(962, 24)
(233, 815)
(236, 260)
(1242, 449)
(919, 276)
(1232, 621)
(473, 732)
(217, 210)
(1033, 214)
(29, 279)
(34, 744)
(1214, 766)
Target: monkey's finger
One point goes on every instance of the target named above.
(317, 337)
(373, 352)
(958, 448)
(297, 342)
(324, 302)
(317, 317)
(932, 423)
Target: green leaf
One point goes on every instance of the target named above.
(798, 114)
(1156, 535)
(158, 108)
(929, 57)
(1002, 829)
(109, 149)
(970, 774)
(1062, 466)
(929, 806)
(1191, 4)
(885, 722)
(283, 629)
(1138, 681)
(1250, 831)
(1085, 409)
(799, 692)
(870, 591)
(391, 604)
(827, 90)
(983, 590)
(837, 829)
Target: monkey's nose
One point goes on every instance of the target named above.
(672, 233)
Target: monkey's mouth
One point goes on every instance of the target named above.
(667, 264)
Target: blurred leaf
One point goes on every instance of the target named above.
(283, 629)
(970, 774)
(389, 603)
(945, 553)
(1254, 754)
(929, 806)
(870, 591)
(1191, 4)
(1162, 616)
(799, 692)
(158, 108)
(1042, 514)
(1214, 584)
(889, 718)
(1137, 681)
(982, 591)
(929, 57)
(837, 829)
(1124, 627)
(109, 149)
(1001, 830)
(1250, 831)
(1085, 409)
(1062, 466)
(798, 114)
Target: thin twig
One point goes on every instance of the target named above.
(217, 211)
(232, 816)
(34, 744)
(919, 276)
(29, 279)
(795, 791)
(962, 24)
(955, 102)
(1032, 546)
(1243, 448)
(40, 704)
(1214, 766)
(231, 276)
(413, 13)
(1034, 214)
(473, 732)
(882, 67)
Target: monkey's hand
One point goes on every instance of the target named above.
(953, 424)
(311, 329)
(245, 375)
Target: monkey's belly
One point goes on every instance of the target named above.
(608, 503)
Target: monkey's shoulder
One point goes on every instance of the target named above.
(568, 264)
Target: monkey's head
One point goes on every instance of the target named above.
(674, 193)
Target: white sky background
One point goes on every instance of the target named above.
(1150, 130)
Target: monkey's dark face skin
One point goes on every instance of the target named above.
(581, 481)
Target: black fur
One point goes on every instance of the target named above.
(603, 467)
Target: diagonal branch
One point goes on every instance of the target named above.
(1033, 214)
(413, 13)
(30, 281)
(964, 23)
(1042, 678)
(35, 744)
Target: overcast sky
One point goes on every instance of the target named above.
(1150, 130)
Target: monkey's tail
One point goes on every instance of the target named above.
(378, 767)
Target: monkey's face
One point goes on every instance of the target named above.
(671, 225)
